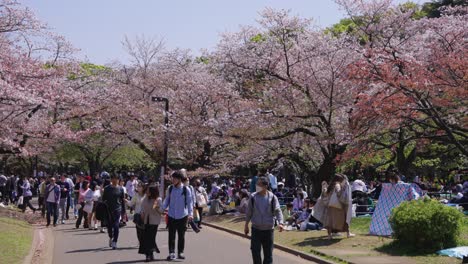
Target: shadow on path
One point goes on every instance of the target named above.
(142, 260)
(100, 249)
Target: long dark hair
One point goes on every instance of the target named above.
(339, 178)
(153, 192)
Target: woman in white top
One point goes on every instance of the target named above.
(136, 203)
(92, 197)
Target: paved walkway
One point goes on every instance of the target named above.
(78, 246)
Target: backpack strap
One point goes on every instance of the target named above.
(184, 193)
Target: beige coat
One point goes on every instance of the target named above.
(151, 215)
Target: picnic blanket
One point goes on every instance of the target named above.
(391, 196)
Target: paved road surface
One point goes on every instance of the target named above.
(80, 246)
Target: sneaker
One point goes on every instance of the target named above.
(181, 256)
(110, 241)
(95, 226)
(114, 245)
(102, 230)
(55, 225)
(171, 257)
(63, 222)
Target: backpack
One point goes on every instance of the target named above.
(272, 203)
(272, 206)
(184, 193)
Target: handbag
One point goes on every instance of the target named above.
(335, 201)
(20, 200)
(138, 220)
(88, 208)
(201, 201)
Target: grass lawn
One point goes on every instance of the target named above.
(15, 240)
(362, 245)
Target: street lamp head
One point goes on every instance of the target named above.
(158, 99)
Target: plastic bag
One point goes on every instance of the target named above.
(458, 252)
(196, 216)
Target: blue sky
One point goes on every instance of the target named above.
(97, 27)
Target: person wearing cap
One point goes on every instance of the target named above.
(179, 203)
(262, 209)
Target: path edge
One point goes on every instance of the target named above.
(42, 247)
(289, 250)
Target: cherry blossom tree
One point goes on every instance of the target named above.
(295, 77)
(200, 105)
(413, 72)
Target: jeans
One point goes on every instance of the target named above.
(52, 210)
(262, 239)
(314, 226)
(75, 202)
(179, 226)
(113, 227)
(63, 204)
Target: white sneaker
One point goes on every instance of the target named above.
(63, 222)
(95, 226)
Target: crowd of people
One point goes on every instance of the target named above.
(104, 202)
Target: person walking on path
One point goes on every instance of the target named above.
(64, 193)
(52, 197)
(136, 204)
(27, 194)
(180, 204)
(151, 214)
(41, 199)
(201, 197)
(114, 198)
(71, 186)
(262, 209)
(82, 214)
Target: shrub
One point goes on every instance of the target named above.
(426, 225)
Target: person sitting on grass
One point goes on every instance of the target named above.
(244, 196)
(298, 202)
(304, 215)
(288, 214)
(219, 207)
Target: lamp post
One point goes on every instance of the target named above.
(166, 141)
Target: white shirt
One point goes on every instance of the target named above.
(130, 186)
(359, 185)
(273, 181)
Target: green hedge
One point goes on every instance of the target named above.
(426, 225)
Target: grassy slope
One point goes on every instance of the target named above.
(15, 240)
(313, 241)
